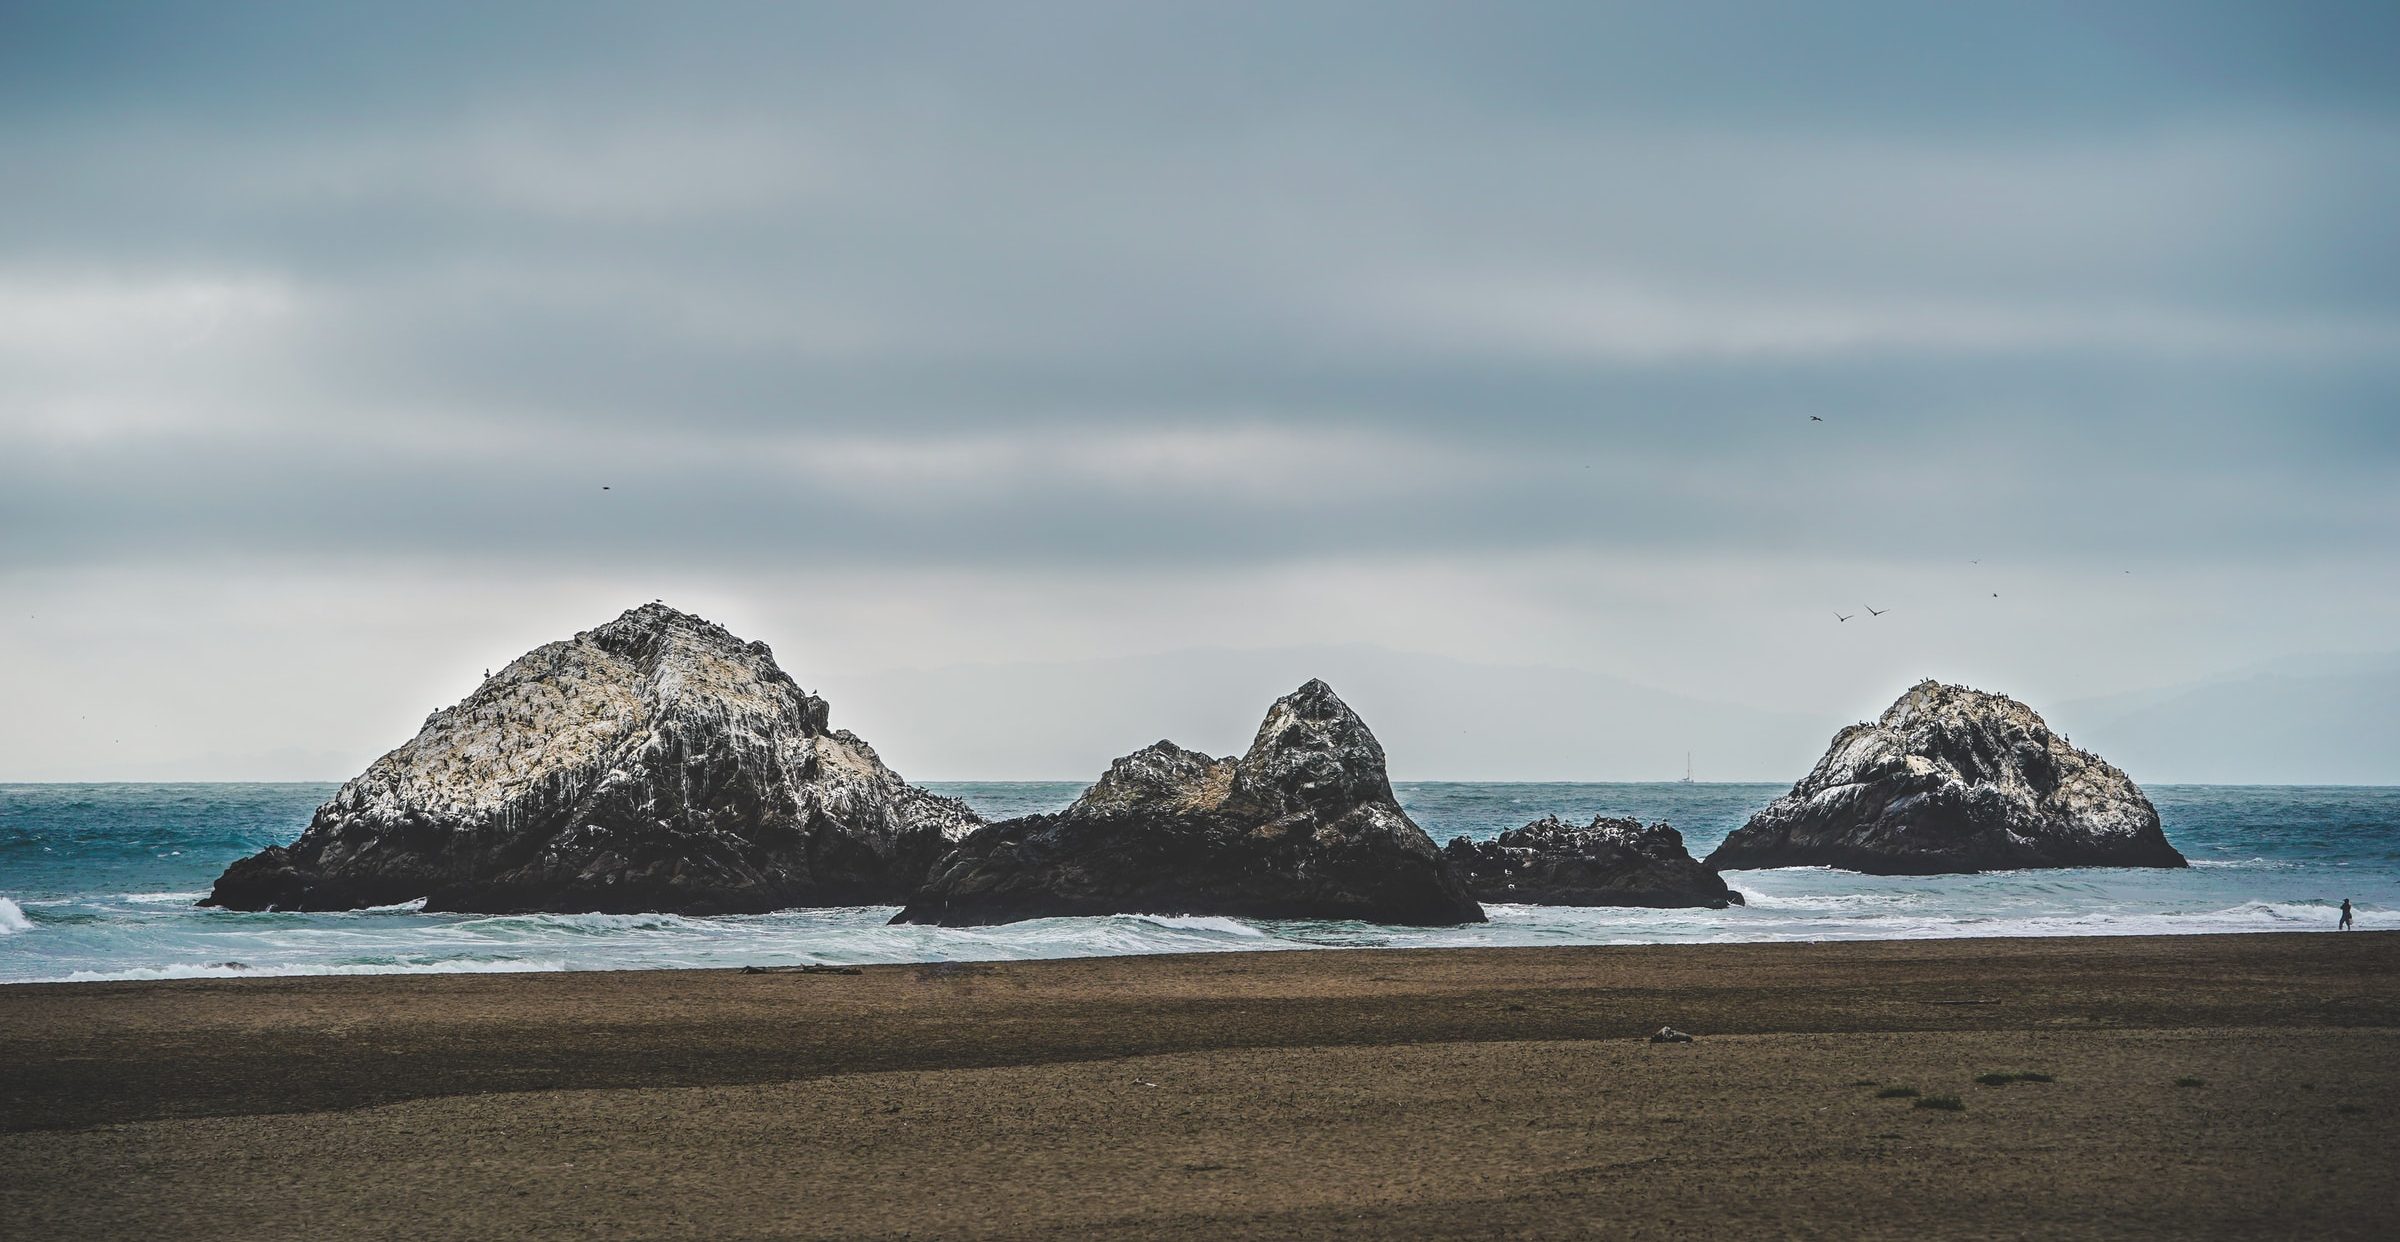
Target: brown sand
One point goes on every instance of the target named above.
(1380, 1093)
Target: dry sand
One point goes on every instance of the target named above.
(1453, 1093)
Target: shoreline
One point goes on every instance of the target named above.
(1444, 1092)
(780, 960)
(242, 973)
(107, 906)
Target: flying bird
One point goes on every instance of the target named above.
(1872, 610)
(604, 487)
(1814, 419)
(1839, 617)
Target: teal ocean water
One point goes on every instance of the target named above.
(98, 881)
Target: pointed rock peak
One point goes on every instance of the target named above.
(1315, 700)
(1313, 704)
(1313, 750)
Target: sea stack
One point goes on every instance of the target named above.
(1608, 862)
(1304, 826)
(656, 763)
(1952, 779)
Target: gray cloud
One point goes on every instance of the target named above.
(1085, 293)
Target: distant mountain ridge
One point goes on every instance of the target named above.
(2331, 719)
(2315, 720)
(1439, 718)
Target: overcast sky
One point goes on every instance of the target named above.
(908, 336)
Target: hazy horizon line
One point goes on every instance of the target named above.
(1442, 780)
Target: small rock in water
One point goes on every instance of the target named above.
(1669, 1035)
(1610, 862)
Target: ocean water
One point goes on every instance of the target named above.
(98, 881)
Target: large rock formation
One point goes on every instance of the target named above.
(657, 763)
(1304, 826)
(1609, 862)
(1953, 779)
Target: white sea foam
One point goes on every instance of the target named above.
(164, 899)
(587, 924)
(2252, 872)
(1197, 922)
(1856, 904)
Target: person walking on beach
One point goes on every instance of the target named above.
(2344, 925)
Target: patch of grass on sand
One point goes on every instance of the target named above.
(2003, 1079)
(2191, 1082)
(1946, 1103)
(1896, 1093)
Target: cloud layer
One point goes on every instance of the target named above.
(1497, 334)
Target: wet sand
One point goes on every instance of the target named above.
(1379, 1093)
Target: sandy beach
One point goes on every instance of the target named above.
(2203, 1086)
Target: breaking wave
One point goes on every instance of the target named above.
(109, 886)
(165, 899)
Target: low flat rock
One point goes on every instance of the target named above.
(656, 763)
(1303, 826)
(1608, 862)
(1952, 779)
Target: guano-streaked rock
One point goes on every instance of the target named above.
(656, 763)
(1948, 780)
(1303, 826)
